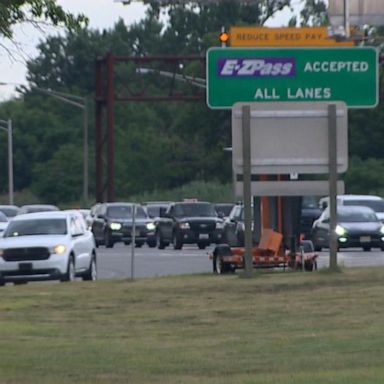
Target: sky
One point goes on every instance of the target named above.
(102, 14)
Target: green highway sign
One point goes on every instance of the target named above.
(348, 74)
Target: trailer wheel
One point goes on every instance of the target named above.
(309, 265)
(218, 266)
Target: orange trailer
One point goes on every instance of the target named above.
(268, 254)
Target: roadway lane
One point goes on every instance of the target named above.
(115, 263)
(151, 262)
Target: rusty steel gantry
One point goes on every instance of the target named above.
(120, 79)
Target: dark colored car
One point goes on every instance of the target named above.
(357, 226)
(113, 222)
(9, 210)
(310, 211)
(233, 231)
(153, 208)
(224, 209)
(189, 223)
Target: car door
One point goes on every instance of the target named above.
(167, 224)
(230, 226)
(99, 222)
(320, 230)
(82, 242)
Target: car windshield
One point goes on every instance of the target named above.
(125, 212)
(36, 227)
(224, 209)
(376, 205)
(9, 212)
(153, 210)
(195, 210)
(3, 218)
(357, 217)
(309, 202)
(242, 214)
(39, 209)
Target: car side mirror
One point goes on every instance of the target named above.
(100, 216)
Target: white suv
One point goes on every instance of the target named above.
(47, 246)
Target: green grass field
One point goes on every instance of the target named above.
(277, 327)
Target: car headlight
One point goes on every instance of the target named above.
(115, 226)
(381, 231)
(58, 249)
(340, 231)
(184, 225)
(151, 226)
(219, 225)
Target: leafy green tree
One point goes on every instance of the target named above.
(13, 12)
(159, 146)
(58, 184)
(314, 13)
(365, 176)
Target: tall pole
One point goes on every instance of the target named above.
(10, 162)
(246, 137)
(332, 148)
(85, 153)
(8, 128)
(346, 19)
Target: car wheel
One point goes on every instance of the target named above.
(201, 245)
(151, 244)
(108, 241)
(366, 248)
(177, 243)
(70, 274)
(221, 268)
(91, 272)
(139, 244)
(316, 246)
(159, 241)
(217, 265)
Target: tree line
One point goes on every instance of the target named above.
(159, 146)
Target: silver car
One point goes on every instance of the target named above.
(357, 226)
(3, 223)
(47, 246)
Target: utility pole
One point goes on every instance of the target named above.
(7, 126)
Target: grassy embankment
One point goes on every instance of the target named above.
(274, 328)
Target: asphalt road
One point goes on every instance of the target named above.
(117, 262)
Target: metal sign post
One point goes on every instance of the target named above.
(246, 135)
(133, 241)
(332, 145)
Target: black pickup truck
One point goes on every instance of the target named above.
(189, 223)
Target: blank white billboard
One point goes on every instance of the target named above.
(360, 12)
(289, 137)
